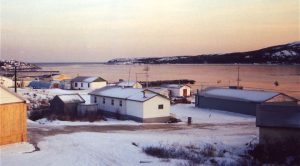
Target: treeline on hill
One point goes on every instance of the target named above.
(281, 54)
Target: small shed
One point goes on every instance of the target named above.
(129, 84)
(13, 120)
(66, 105)
(238, 100)
(84, 110)
(177, 90)
(278, 123)
(86, 82)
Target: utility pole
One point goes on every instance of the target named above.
(129, 75)
(238, 75)
(15, 79)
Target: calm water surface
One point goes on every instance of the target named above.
(252, 76)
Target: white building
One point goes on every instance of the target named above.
(6, 82)
(132, 103)
(178, 90)
(129, 84)
(81, 82)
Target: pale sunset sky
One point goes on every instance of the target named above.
(99, 30)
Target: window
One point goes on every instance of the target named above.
(112, 102)
(95, 99)
(103, 101)
(120, 104)
(161, 106)
(88, 84)
(75, 84)
(81, 84)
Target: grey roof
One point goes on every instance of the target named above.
(87, 79)
(238, 94)
(125, 93)
(127, 83)
(71, 98)
(173, 86)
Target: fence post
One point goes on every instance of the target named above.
(189, 120)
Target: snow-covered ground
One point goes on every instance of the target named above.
(38, 97)
(115, 147)
(183, 111)
(108, 121)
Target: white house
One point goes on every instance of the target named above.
(131, 103)
(178, 90)
(6, 82)
(81, 82)
(130, 84)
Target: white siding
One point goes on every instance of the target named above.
(107, 106)
(188, 90)
(147, 109)
(137, 85)
(135, 108)
(85, 85)
(97, 85)
(151, 107)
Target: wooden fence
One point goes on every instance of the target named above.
(13, 124)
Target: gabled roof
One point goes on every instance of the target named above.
(126, 93)
(174, 86)
(127, 83)
(71, 98)
(238, 94)
(40, 84)
(7, 96)
(87, 79)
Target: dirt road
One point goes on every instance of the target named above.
(36, 133)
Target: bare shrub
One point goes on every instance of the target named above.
(208, 150)
(287, 152)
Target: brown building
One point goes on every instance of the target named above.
(13, 120)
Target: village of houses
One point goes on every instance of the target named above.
(86, 120)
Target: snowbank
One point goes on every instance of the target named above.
(109, 121)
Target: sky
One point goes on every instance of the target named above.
(100, 30)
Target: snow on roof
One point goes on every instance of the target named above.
(127, 83)
(9, 97)
(237, 94)
(71, 98)
(87, 79)
(124, 93)
(172, 85)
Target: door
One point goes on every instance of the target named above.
(185, 93)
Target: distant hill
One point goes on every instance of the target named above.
(9, 65)
(280, 54)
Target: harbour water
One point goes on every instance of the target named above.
(251, 76)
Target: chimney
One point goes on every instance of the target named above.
(144, 94)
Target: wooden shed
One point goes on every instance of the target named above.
(66, 105)
(13, 120)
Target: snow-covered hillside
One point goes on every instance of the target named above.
(281, 54)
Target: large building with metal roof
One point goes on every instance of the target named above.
(238, 100)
